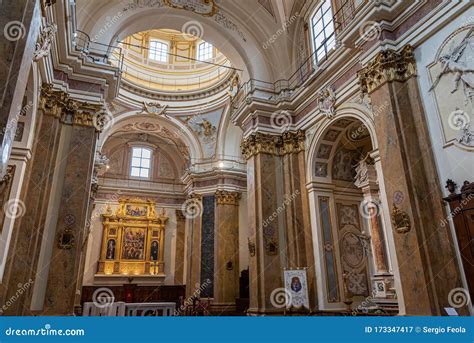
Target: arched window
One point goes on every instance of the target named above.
(322, 31)
(204, 51)
(158, 51)
(140, 165)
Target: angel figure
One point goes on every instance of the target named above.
(460, 62)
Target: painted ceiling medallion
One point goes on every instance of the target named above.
(203, 7)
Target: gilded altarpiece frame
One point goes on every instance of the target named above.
(133, 240)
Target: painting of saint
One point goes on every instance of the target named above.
(154, 251)
(110, 255)
(295, 284)
(133, 243)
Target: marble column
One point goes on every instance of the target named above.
(192, 210)
(20, 22)
(280, 233)
(226, 265)
(299, 240)
(48, 239)
(180, 244)
(424, 249)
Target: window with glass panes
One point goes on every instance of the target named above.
(158, 51)
(141, 162)
(204, 51)
(322, 28)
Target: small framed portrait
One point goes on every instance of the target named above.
(296, 284)
(113, 231)
(110, 253)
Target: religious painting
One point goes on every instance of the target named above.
(110, 255)
(136, 211)
(133, 239)
(154, 251)
(133, 243)
(296, 286)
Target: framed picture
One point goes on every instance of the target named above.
(133, 243)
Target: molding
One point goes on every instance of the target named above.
(259, 143)
(388, 66)
(227, 198)
(60, 105)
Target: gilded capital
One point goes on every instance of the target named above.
(388, 66)
(287, 143)
(58, 104)
(227, 198)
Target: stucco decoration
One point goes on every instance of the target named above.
(452, 77)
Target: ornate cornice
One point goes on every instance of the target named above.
(388, 66)
(278, 145)
(60, 105)
(227, 198)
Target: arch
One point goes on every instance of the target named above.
(179, 131)
(353, 111)
(247, 54)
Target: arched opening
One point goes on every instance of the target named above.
(350, 230)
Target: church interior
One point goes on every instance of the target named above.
(236, 158)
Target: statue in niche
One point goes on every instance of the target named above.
(154, 108)
(460, 61)
(110, 254)
(154, 251)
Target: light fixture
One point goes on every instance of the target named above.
(221, 164)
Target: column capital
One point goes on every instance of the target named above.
(60, 105)
(227, 197)
(286, 143)
(387, 66)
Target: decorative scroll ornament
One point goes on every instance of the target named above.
(45, 41)
(154, 108)
(365, 173)
(260, 143)
(388, 66)
(227, 198)
(206, 8)
(326, 99)
(400, 220)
